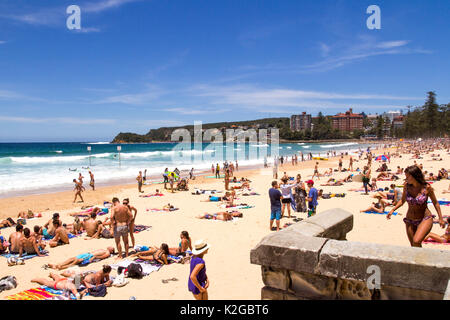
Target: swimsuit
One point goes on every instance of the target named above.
(120, 231)
(56, 282)
(85, 257)
(420, 199)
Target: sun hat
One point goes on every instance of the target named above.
(200, 246)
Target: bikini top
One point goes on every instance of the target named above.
(420, 199)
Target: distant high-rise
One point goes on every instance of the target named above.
(348, 121)
(301, 122)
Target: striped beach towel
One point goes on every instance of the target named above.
(32, 294)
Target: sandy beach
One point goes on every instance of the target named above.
(228, 261)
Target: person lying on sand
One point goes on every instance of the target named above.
(58, 283)
(26, 214)
(98, 278)
(87, 258)
(7, 223)
(445, 238)
(183, 246)
(155, 254)
(224, 216)
(377, 207)
(447, 191)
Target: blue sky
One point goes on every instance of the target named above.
(141, 64)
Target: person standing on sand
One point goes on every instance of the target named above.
(313, 195)
(198, 282)
(126, 202)
(275, 204)
(166, 177)
(139, 179)
(171, 180)
(120, 221)
(227, 179)
(350, 166)
(366, 178)
(80, 178)
(316, 172)
(78, 189)
(340, 164)
(217, 171)
(237, 166)
(92, 183)
(419, 219)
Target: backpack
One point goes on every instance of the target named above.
(134, 270)
(98, 291)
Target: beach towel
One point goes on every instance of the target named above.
(32, 294)
(139, 227)
(239, 206)
(374, 212)
(25, 256)
(162, 210)
(212, 177)
(151, 195)
(147, 268)
(431, 241)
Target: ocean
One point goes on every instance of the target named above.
(31, 168)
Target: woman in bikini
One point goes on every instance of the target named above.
(155, 254)
(377, 206)
(58, 283)
(183, 246)
(419, 220)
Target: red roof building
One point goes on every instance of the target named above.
(348, 121)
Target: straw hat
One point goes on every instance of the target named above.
(200, 246)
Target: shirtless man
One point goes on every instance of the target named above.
(99, 254)
(140, 181)
(80, 178)
(92, 183)
(78, 189)
(316, 171)
(15, 239)
(350, 166)
(91, 225)
(58, 283)
(49, 229)
(38, 236)
(98, 278)
(61, 236)
(120, 220)
(28, 244)
(126, 202)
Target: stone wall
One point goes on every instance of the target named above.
(311, 260)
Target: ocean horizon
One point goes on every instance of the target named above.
(31, 167)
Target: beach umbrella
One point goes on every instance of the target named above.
(381, 158)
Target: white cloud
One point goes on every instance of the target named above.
(100, 6)
(392, 44)
(272, 99)
(2, 42)
(150, 95)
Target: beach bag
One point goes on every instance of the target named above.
(134, 270)
(98, 291)
(8, 283)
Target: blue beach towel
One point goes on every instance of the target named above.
(374, 212)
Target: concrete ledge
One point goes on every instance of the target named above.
(415, 268)
(307, 261)
(289, 251)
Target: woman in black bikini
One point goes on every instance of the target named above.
(159, 255)
(419, 220)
